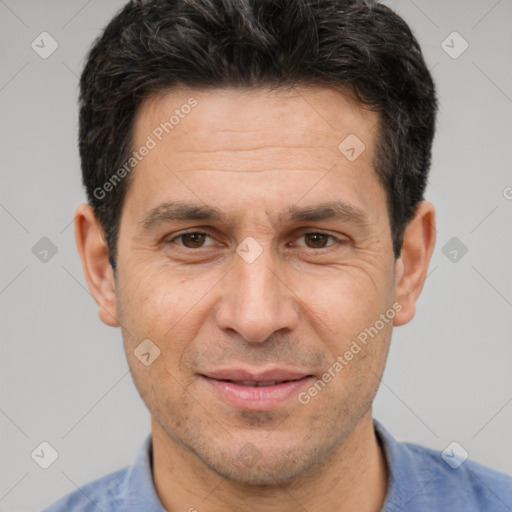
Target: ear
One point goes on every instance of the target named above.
(412, 266)
(90, 241)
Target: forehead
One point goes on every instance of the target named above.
(234, 116)
(247, 143)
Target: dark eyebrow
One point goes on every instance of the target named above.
(178, 211)
(337, 210)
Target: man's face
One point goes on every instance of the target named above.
(274, 288)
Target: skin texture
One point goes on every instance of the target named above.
(299, 305)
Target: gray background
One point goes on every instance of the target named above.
(63, 375)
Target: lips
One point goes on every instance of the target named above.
(240, 376)
(258, 384)
(251, 390)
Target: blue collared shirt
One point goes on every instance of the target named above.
(419, 481)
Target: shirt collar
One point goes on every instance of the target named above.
(406, 478)
(139, 492)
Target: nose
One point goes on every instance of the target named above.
(256, 301)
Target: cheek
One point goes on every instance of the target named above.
(347, 303)
(356, 368)
(154, 301)
(347, 312)
(167, 309)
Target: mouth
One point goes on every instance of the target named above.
(256, 391)
(258, 384)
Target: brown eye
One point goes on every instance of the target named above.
(316, 240)
(194, 240)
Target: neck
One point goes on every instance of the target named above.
(354, 478)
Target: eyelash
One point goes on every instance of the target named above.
(175, 237)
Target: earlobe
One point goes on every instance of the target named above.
(411, 267)
(94, 255)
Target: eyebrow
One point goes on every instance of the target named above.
(176, 211)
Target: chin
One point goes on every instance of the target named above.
(265, 467)
(261, 475)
